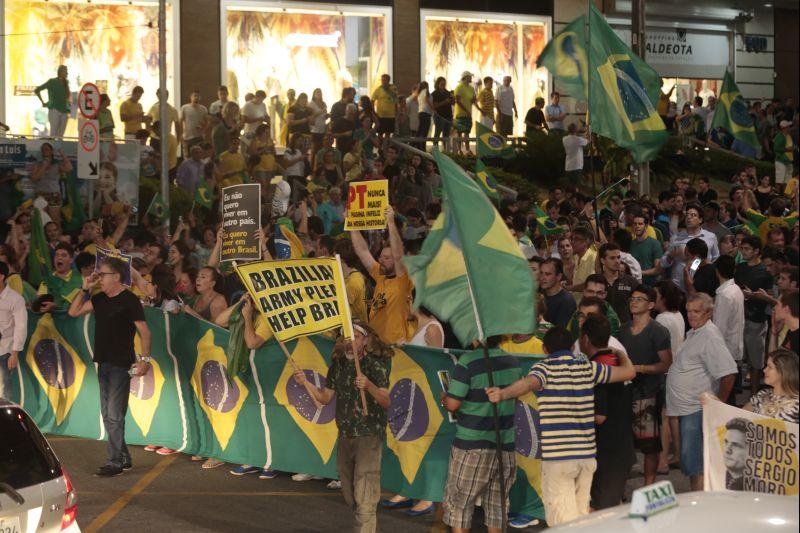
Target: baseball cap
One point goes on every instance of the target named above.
(783, 124)
(466, 74)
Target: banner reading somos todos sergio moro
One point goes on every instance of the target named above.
(298, 297)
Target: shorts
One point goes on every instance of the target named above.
(488, 121)
(691, 435)
(783, 172)
(647, 424)
(755, 335)
(463, 124)
(505, 125)
(386, 125)
(474, 473)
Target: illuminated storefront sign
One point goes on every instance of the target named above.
(113, 44)
(271, 47)
(505, 45)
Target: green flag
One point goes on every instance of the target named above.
(40, 265)
(491, 144)
(486, 181)
(158, 209)
(203, 195)
(470, 271)
(72, 211)
(731, 113)
(622, 90)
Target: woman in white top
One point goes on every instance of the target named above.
(319, 119)
(431, 335)
(425, 104)
(669, 299)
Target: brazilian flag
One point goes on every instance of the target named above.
(203, 196)
(491, 144)
(158, 209)
(72, 211)
(622, 90)
(40, 265)
(731, 113)
(546, 226)
(470, 271)
(486, 181)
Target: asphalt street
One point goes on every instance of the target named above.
(174, 494)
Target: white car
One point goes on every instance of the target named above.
(36, 494)
(731, 512)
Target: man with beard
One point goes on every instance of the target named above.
(391, 302)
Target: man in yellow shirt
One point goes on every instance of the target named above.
(391, 301)
(172, 116)
(584, 259)
(465, 98)
(384, 98)
(132, 114)
(486, 102)
(231, 164)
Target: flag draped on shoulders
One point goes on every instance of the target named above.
(470, 271)
(622, 90)
(731, 113)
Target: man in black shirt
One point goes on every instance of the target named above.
(620, 284)
(752, 276)
(613, 418)
(534, 118)
(559, 304)
(705, 193)
(118, 316)
(704, 277)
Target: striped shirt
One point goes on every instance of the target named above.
(566, 405)
(474, 423)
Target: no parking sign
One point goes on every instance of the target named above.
(89, 100)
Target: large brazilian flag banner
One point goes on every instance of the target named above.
(261, 417)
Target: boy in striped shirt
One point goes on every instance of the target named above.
(564, 385)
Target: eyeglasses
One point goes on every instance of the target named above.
(639, 299)
(106, 273)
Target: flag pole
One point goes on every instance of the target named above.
(348, 331)
(592, 149)
(162, 104)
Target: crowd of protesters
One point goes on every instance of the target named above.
(644, 303)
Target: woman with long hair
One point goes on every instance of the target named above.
(319, 119)
(179, 258)
(210, 301)
(361, 433)
(425, 103)
(780, 400)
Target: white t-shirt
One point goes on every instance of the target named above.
(193, 117)
(280, 200)
(319, 124)
(674, 323)
(613, 343)
(297, 169)
(573, 146)
(252, 109)
(422, 102)
(216, 107)
(505, 99)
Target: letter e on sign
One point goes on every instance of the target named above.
(89, 100)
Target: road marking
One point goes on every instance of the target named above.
(113, 509)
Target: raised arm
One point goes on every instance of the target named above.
(213, 259)
(362, 250)
(82, 303)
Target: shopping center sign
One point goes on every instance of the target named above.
(680, 53)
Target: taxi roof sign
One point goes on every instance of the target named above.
(652, 499)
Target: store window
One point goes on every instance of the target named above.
(275, 49)
(455, 42)
(113, 44)
(686, 89)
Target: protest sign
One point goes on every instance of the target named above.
(366, 205)
(102, 253)
(298, 297)
(744, 451)
(241, 219)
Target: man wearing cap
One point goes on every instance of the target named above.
(465, 99)
(784, 154)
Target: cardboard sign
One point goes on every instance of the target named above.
(13, 155)
(102, 253)
(366, 204)
(241, 219)
(744, 451)
(298, 297)
(88, 149)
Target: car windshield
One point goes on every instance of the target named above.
(25, 456)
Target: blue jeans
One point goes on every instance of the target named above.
(5, 377)
(691, 435)
(115, 385)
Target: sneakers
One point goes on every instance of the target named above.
(166, 451)
(334, 484)
(151, 448)
(304, 477)
(108, 471)
(127, 465)
(521, 521)
(243, 470)
(268, 474)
